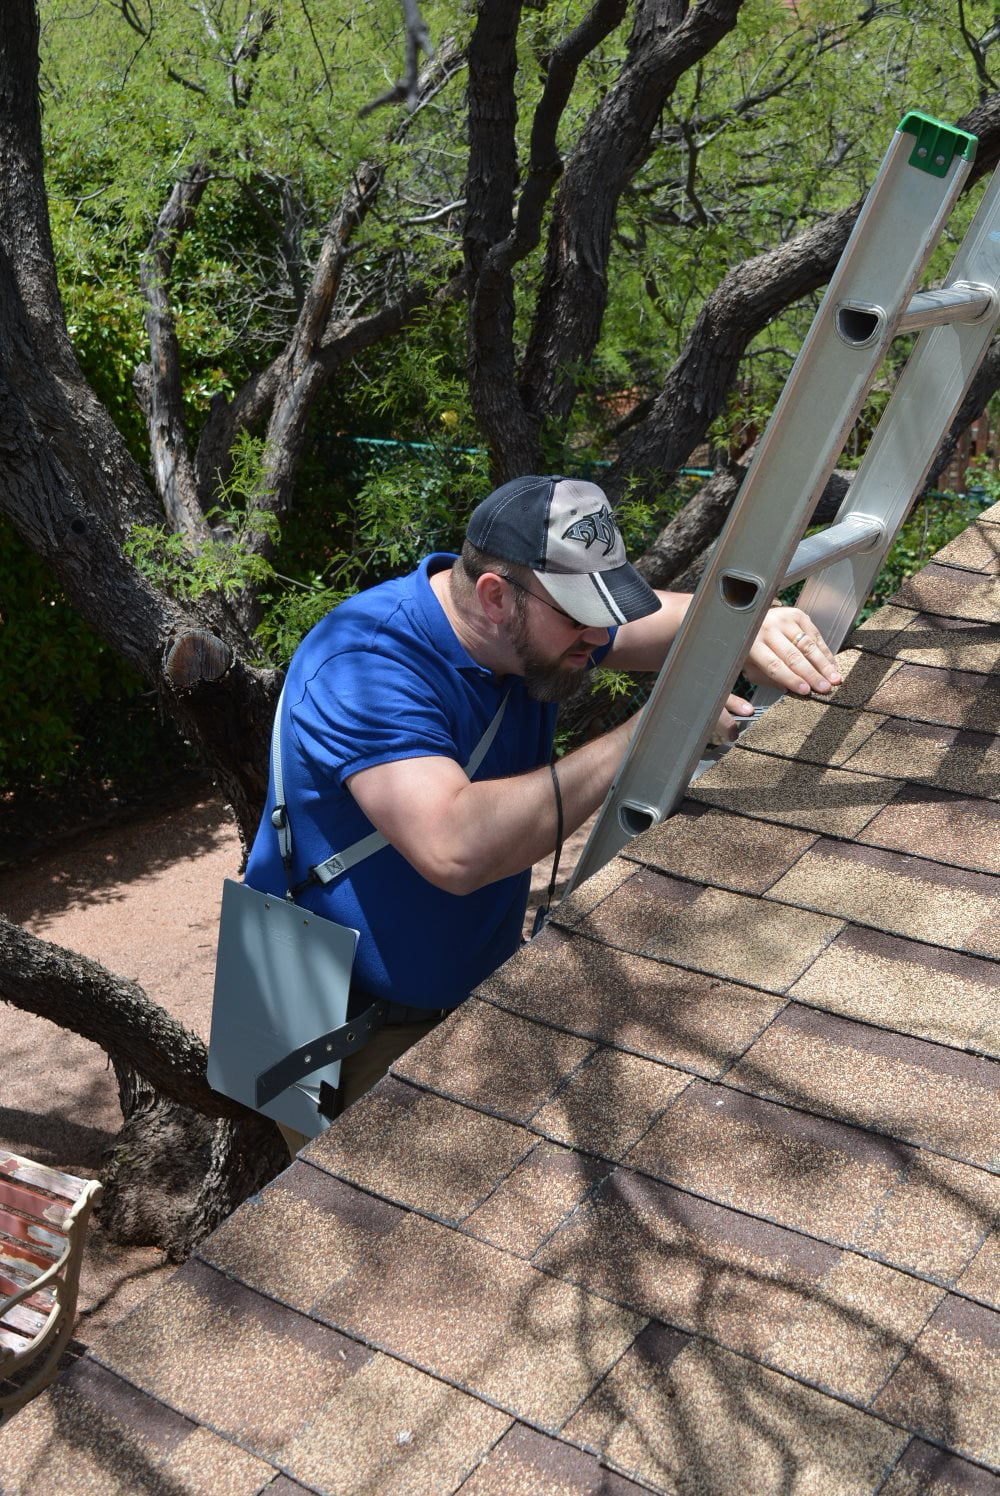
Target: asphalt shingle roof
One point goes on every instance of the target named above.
(699, 1193)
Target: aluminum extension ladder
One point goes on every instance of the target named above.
(869, 301)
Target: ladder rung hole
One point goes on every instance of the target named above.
(634, 820)
(739, 592)
(859, 326)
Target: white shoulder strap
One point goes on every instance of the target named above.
(340, 862)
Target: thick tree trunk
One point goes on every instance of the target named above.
(173, 1174)
(510, 429)
(186, 1156)
(667, 39)
(71, 488)
(514, 406)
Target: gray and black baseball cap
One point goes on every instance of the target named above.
(565, 531)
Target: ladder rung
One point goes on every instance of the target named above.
(961, 302)
(860, 324)
(858, 532)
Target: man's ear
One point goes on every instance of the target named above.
(493, 592)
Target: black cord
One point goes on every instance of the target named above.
(559, 833)
(542, 914)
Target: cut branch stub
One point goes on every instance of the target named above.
(194, 658)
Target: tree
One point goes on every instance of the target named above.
(615, 178)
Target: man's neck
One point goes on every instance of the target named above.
(480, 638)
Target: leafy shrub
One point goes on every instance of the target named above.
(69, 706)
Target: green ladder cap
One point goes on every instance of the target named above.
(937, 144)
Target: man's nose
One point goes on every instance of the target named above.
(596, 636)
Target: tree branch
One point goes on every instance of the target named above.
(158, 383)
(495, 238)
(187, 1156)
(77, 994)
(740, 307)
(664, 44)
(418, 39)
(283, 394)
(695, 388)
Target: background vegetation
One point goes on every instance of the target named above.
(779, 126)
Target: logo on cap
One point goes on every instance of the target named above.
(599, 526)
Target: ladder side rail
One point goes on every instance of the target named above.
(922, 407)
(834, 596)
(836, 590)
(890, 478)
(835, 367)
(926, 400)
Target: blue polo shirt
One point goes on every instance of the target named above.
(384, 677)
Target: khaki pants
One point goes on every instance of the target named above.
(360, 1071)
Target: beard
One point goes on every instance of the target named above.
(545, 679)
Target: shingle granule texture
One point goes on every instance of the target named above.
(699, 1194)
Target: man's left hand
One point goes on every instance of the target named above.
(790, 653)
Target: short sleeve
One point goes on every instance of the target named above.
(361, 708)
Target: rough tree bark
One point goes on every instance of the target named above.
(518, 400)
(667, 39)
(512, 404)
(186, 1156)
(158, 383)
(72, 490)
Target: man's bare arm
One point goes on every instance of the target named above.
(461, 835)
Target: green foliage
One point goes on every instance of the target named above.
(268, 99)
(223, 565)
(783, 123)
(105, 323)
(983, 479)
(371, 506)
(69, 706)
(414, 500)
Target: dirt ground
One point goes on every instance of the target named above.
(142, 898)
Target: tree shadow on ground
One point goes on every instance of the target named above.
(93, 868)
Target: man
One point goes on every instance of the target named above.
(387, 699)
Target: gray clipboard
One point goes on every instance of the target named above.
(282, 976)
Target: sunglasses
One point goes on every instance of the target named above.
(573, 623)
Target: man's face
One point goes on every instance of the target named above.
(552, 649)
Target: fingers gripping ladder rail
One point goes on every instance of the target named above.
(870, 300)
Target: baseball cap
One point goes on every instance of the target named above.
(564, 530)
